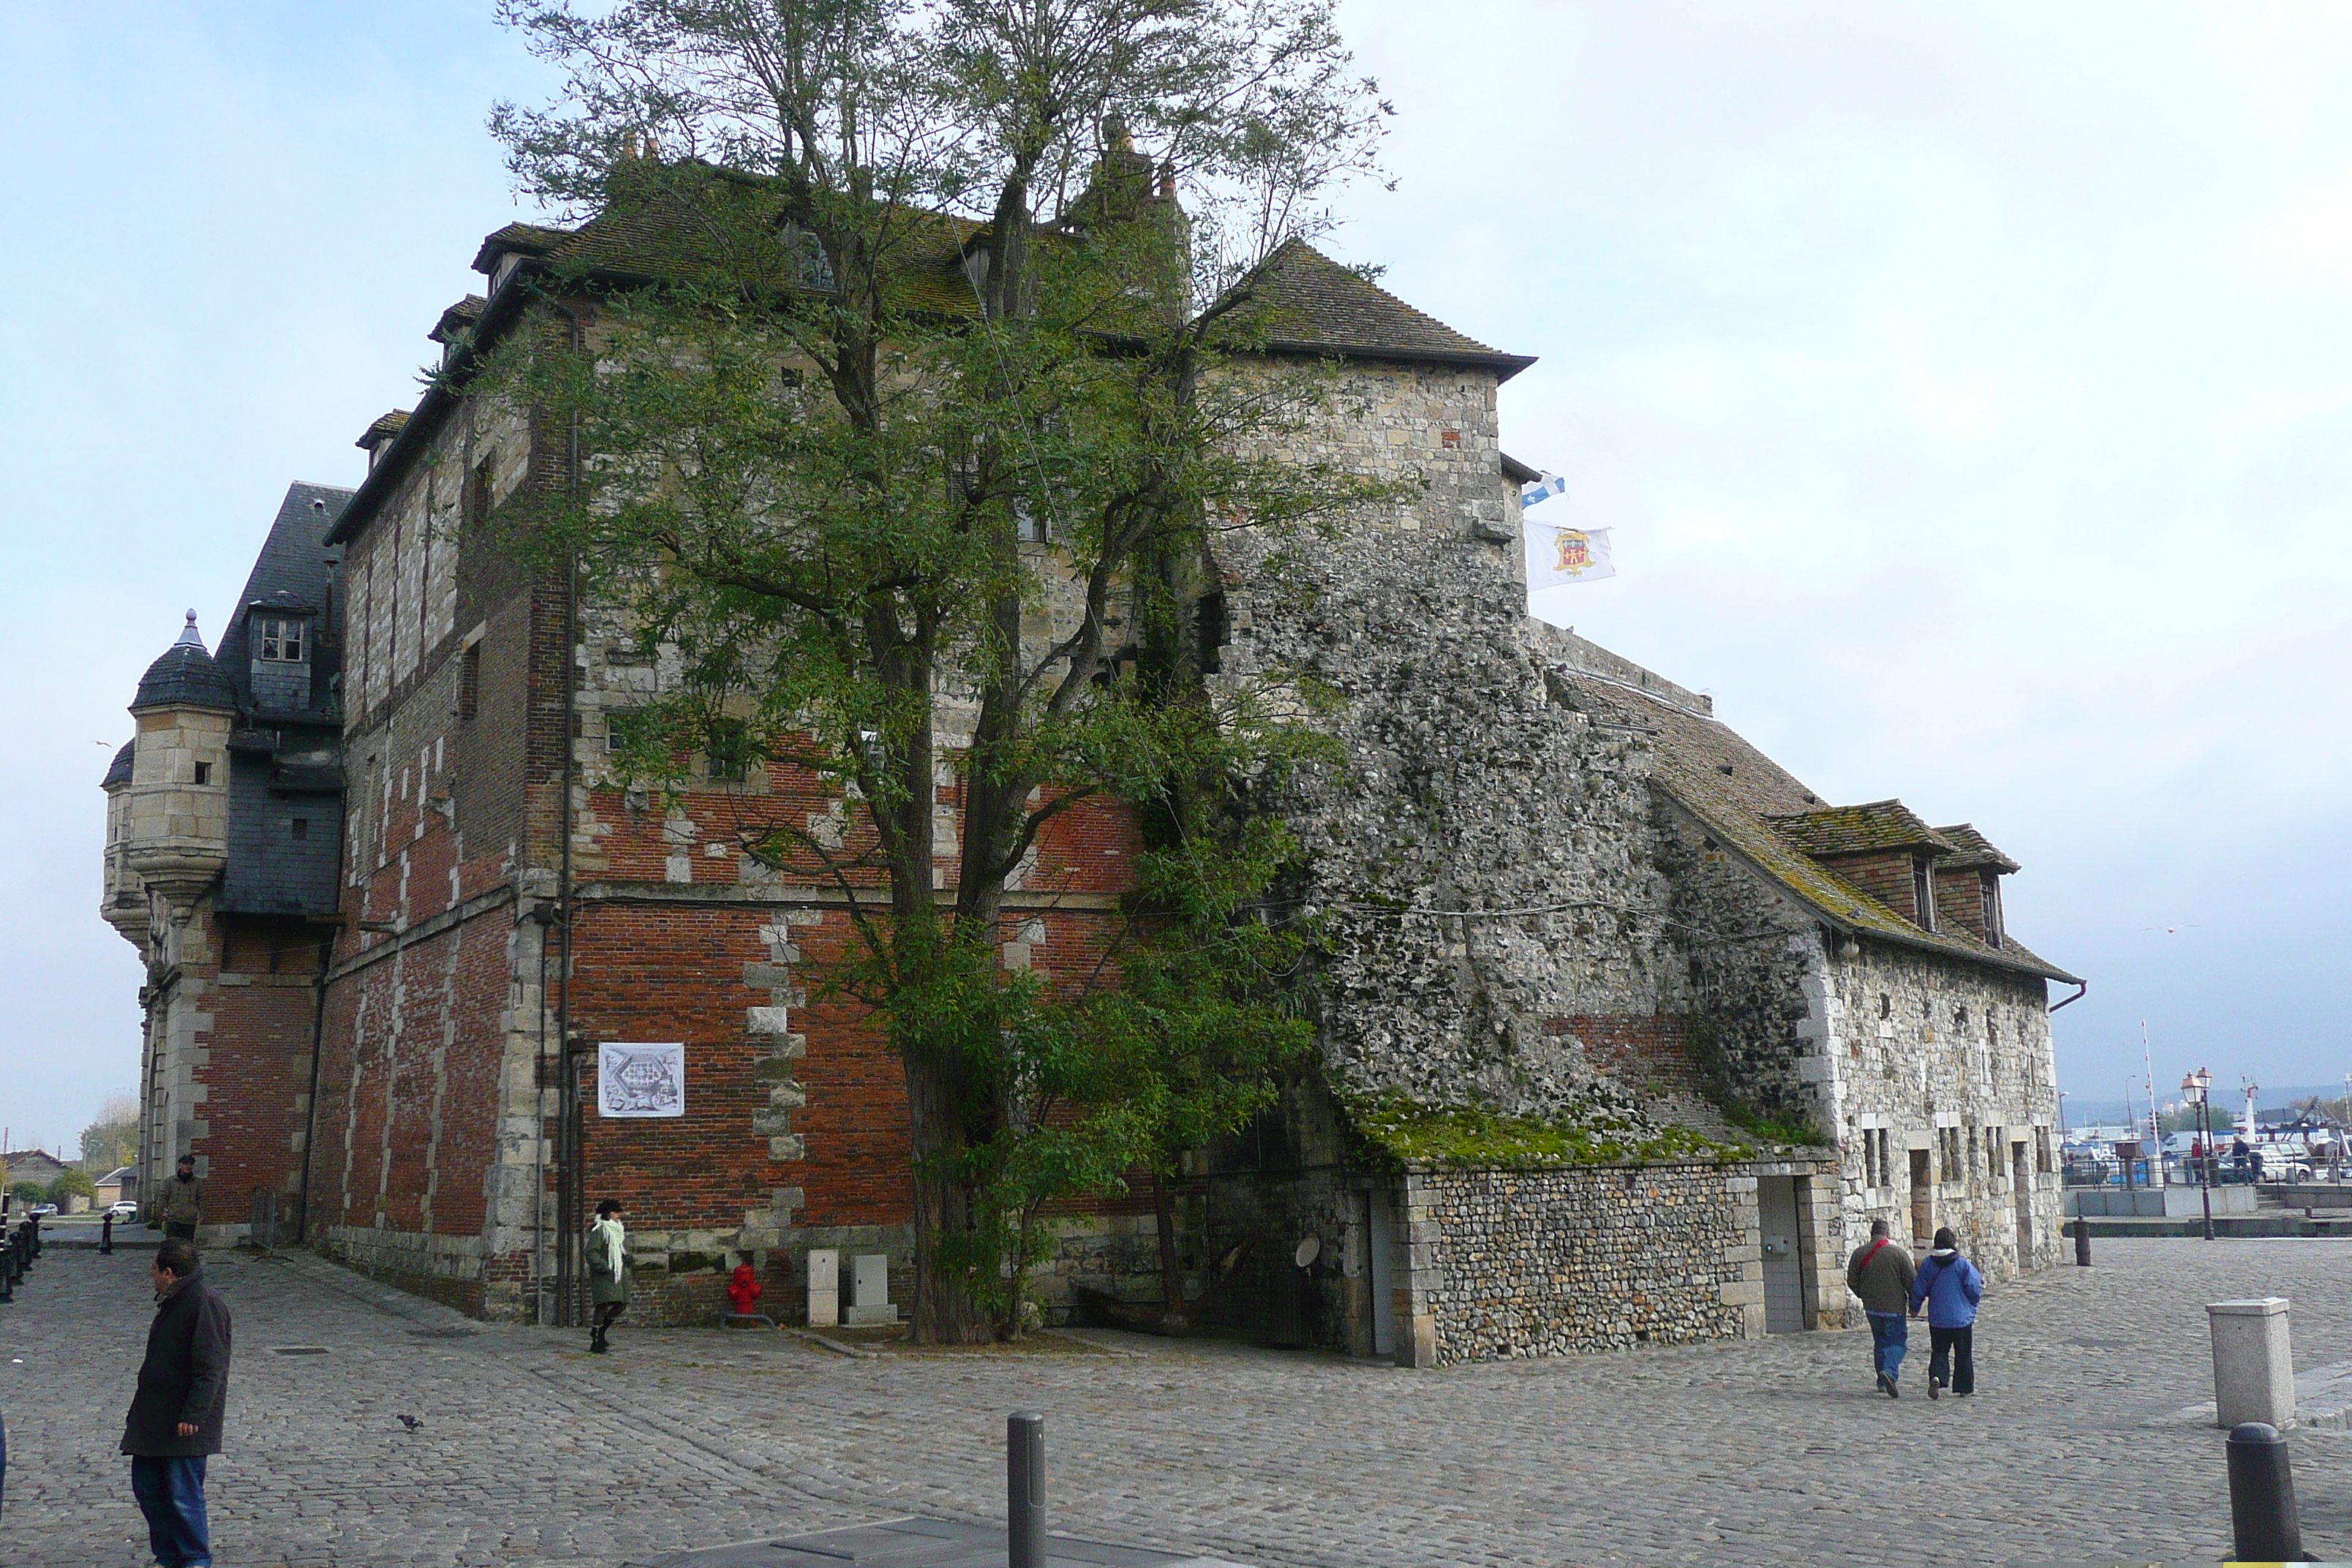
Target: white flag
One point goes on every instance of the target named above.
(1557, 555)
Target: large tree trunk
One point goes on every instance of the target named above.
(944, 1312)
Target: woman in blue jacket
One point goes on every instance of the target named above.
(1951, 1287)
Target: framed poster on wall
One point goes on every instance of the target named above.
(637, 1079)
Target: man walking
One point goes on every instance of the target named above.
(175, 1416)
(183, 1201)
(1879, 1273)
(1950, 1286)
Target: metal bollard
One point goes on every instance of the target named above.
(2261, 1495)
(106, 1234)
(8, 1270)
(1025, 1489)
(2081, 1242)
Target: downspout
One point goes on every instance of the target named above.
(2080, 987)
(570, 1178)
(317, 1037)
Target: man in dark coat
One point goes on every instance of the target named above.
(1881, 1273)
(175, 1417)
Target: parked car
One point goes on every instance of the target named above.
(42, 1211)
(2282, 1162)
(126, 1209)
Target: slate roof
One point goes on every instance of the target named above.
(1742, 798)
(185, 676)
(291, 571)
(118, 771)
(1308, 303)
(1972, 848)
(1860, 830)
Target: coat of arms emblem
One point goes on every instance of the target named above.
(1575, 551)
(641, 1079)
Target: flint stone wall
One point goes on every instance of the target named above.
(1536, 1263)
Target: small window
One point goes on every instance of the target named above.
(1215, 635)
(479, 490)
(1886, 1006)
(1923, 891)
(621, 730)
(299, 827)
(281, 639)
(204, 773)
(1992, 885)
(469, 683)
(1027, 527)
(729, 751)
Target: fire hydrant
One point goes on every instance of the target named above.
(743, 1289)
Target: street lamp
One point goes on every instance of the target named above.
(2197, 1088)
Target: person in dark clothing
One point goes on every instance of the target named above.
(175, 1423)
(607, 1254)
(183, 1201)
(1950, 1288)
(1879, 1273)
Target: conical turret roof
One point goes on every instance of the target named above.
(186, 677)
(118, 771)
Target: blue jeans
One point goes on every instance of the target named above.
(171, 1493)
(1890, 1336)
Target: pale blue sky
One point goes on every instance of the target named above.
(1970, 389)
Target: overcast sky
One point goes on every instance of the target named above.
(1970, 389)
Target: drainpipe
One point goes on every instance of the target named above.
(2080, 987)
(570, 1178)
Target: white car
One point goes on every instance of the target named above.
(123, 1210)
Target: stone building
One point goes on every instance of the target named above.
(1625, 1035)
(223, 831)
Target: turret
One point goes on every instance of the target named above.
(176, 803)
(122, 903)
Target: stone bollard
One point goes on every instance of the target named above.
(2254, 1365)
(1025, 1489)
(2081, 1242)
(2261, 1496)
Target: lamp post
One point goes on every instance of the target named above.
(2195, 1089)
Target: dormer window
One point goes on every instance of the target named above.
(281, 639)
(1991, 884)
(1923, 891)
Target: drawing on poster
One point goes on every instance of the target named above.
(641, 1079)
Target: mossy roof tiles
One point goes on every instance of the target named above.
(1742, 798)
(1865, 829)
(1306, 302)
(1971, 848)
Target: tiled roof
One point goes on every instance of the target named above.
(1972, 848)
(530, 238)
(1740, 796)
(1308, 303)
(1860, 829)
(458, 318)
(185, 676)
(118, 771)
(385, 425)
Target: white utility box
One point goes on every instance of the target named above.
(869, 1286)
(823, 1287)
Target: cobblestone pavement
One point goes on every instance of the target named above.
(2076, 1448)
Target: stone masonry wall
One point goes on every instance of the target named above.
(1510, 1264)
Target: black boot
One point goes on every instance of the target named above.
(596, 1345)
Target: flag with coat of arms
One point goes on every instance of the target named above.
(1557, 553)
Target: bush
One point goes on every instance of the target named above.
(72, 1185)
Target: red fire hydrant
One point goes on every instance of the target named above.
(743, 1289)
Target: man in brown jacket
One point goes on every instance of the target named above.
(183, 1201)
(1881, 1273)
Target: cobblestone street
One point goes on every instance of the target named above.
(2077, 1448)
